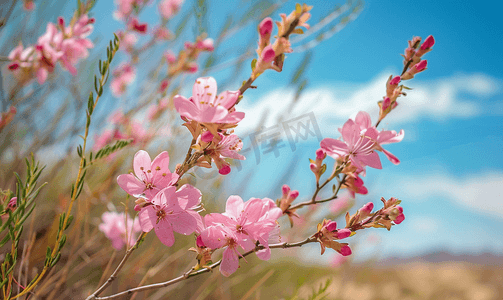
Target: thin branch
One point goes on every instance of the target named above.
(192, 273)
(113, 276)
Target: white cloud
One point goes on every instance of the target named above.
(481, 192)
(455, 96)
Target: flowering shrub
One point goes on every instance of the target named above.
(168, 202)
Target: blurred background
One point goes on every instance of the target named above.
(450, 177)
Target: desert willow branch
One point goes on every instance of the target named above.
(192, 273)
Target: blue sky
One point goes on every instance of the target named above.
(451, 170)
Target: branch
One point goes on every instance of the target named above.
(190, 273)
(113, 276)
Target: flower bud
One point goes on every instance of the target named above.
(367, 208)
(192, 67)
(332, 226)
(345, 250)
(268, 54)
(428, 43)
(265, 28)
(343, 233)
(320, 154)
(226, 169)
(206, 137)
(286, 190)
(170, 57)
(293, 195)
(199, 242)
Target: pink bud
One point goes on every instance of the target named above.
(206, 45)
(199, 242)
(137, 207)
(13, 66)
(400, 209)
(268, 54)
(367, 208)
(226, 169)
(170, 57)
(265, 27)
(12, 203)
(188, 45)
(428, 43)
(386, 103)
(192, 67)
(420, 66)
(332, 226)
(61, 22)
(345, 250)
(399, 219)
(395, 80)
(207, 137)
(163, 86)
(91, 21)
(293, 195)
(320, 154)
(343, 233)
(313, 168)
(286, 190)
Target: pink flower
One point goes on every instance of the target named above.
(125, 8)
(172, 210)
(169, 8)
(328, 233)
(170, 57)
(114, 228)
(151, 176)
(361, 138)
(359, 148)
(265, 28)
(123, 76)
(205, 106)
(242, 225)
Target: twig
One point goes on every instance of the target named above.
(117, 270)
(199, 272)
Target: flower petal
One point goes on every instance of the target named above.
(141, 164)
(188, 196)
(164, 232)
(233, 207)
(230, 262)
(130, 184)
(148, 218)
(183, 222)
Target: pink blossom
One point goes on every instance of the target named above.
(361, 138)
(114, 228)
(125, 8)
(123, 76)
(228, 146)
(172, 210)
(357, 147)
(205, 106)
(151, 176)
(169, 8)
(242, 224)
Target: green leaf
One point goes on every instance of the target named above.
(55, 260)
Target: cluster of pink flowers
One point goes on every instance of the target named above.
(120, 229)
(161, 206)
(242, 225)
(208, 115)
(357, 149)
(64, 44)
